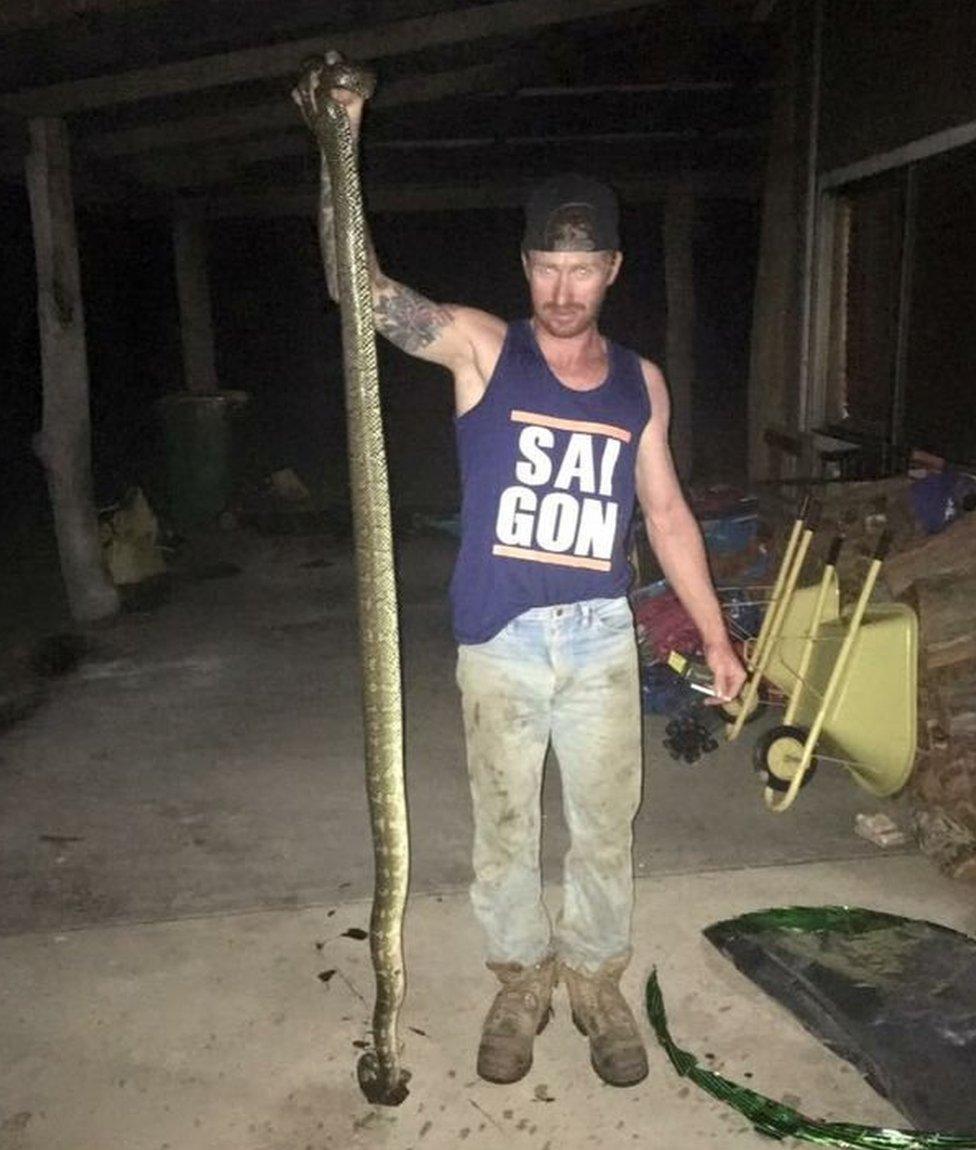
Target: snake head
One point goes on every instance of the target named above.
(320, 75)
(382, 1085)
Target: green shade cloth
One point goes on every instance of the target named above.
(779, 1121)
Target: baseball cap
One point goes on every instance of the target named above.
(571, 213)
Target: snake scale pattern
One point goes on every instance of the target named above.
(381, 1077)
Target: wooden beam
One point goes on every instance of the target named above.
(197, 168)
(575, 90)
(283, 114)
(503, 18)
(627, 137)
(959, 136)
(774, 347)
(404, 92)
(38, 13)
(451, 197)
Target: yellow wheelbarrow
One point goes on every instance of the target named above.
(785, 626)
(851, 681)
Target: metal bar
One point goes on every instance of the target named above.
(811, 638)
(777, 614)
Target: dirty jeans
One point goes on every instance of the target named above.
(566, 674)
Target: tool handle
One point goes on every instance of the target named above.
(882, 546)
(804, 506)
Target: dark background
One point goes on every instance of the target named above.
(277, 337)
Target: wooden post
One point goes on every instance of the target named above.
(64, 442)
(776, 315)
(193, 289)
(679, 227)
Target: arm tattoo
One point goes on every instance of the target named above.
(409, 320)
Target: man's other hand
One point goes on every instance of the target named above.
(727, 670)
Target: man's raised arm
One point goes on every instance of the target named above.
(440, 333)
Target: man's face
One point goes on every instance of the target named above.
(567, 288)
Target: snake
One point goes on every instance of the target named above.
(381, 1077)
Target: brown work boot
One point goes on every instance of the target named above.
(600, 1012)
(520, 1012)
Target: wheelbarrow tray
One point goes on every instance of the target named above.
(871, 724)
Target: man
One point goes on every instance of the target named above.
(558, 429)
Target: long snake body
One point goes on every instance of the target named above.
(381, 1077)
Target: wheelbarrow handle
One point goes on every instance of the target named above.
(882, 546)
(804, 506)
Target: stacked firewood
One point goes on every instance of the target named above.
(859, 512)
(936, 575)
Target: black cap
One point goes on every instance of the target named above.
(571, 213)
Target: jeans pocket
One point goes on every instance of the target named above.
(613, 616)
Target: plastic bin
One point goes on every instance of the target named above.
(201, 441)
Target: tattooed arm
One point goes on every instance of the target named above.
(466, 341)
(407, 318)
(462, 339)
(403, 315)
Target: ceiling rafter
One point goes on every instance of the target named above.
(460, 159)
(478, 79)
(430, 197)
(401, 37)
(39, 13)
(424, 88)
(506, 88)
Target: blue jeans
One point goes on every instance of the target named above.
(569, 675)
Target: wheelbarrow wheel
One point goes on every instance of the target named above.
(777, 754)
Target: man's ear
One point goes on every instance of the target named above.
(616, 261)
(525, 262)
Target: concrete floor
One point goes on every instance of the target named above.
(184, 839)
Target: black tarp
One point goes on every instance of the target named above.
(895, 997)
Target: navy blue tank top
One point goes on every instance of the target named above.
(547, 479)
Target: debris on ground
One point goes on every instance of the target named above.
(880, 830)
(283, 503)
(130, 538)
(692, 734)
(286, 486)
